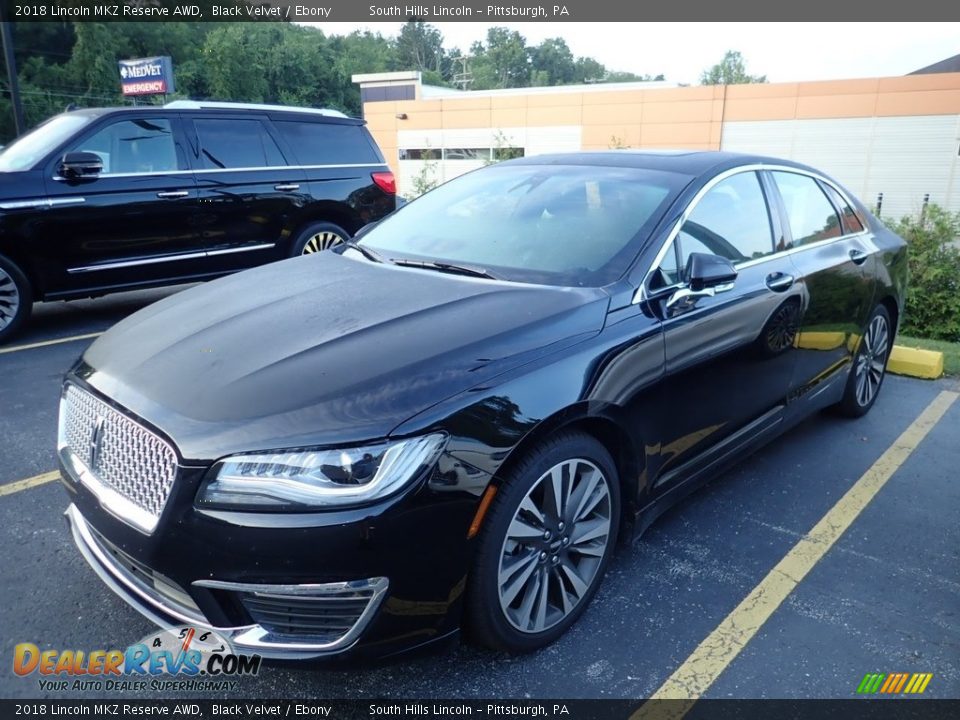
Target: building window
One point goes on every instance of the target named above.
(419, 154)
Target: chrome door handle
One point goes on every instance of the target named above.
(172, 194)
(859, 257)
(289, 187)
(779, 282)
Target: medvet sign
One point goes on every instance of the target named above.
(147, 76)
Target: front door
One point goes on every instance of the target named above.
(729, 357)
(135, 221)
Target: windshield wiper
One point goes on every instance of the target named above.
(365, 251)
(445, 267)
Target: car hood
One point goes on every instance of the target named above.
(324, 349)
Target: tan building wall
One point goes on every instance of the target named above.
(688, 117)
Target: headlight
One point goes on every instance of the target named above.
(305, 479)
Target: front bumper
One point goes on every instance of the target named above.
(161, 601)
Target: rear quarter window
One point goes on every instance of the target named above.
(328, 143)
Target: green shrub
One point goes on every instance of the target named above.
(933, 295)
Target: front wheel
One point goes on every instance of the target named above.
(545, 545)
(869, 366)
(16, 299)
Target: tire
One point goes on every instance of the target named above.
(869, 366)
(16, 299)
(521, 614)
(317, 237)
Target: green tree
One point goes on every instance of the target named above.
(420, 47)
(502, 62)
(933, 292)
(552, 63)
(732, 70)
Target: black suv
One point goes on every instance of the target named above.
(100, 200)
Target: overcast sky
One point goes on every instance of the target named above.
(782, 51)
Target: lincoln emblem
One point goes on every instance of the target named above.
(95, 437)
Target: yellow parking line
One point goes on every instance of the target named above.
(699, 671)
(19, 485)
(57, 341)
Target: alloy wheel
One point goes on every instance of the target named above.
(9, 299)
(554, 546)
(322, 241)
(872, 360)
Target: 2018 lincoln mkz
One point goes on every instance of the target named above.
(449, 422)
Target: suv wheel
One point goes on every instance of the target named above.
(321, 236)
(16, 298)
(545, 545)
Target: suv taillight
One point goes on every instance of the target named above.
(385, 181)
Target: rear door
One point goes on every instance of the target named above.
(248, 189)
(834, 257)
(729, 358)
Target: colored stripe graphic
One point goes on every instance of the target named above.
(894, 683)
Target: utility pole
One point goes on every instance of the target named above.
(14, 83)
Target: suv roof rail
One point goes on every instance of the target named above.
(200, 104)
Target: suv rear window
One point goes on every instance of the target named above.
(328, 143)
(228, 143)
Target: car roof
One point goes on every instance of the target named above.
(685, 162)
(274, 112)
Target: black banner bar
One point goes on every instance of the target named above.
(487, 11)
(123, 709)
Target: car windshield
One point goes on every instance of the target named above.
(571, 225)
(26, 151)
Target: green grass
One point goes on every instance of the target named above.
(950, 350)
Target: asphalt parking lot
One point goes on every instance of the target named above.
(884, 598)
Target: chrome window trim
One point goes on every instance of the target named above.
(641, 293)
(165, 173)
(168, 258)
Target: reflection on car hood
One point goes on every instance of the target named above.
(324, 349)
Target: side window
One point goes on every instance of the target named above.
(316, 143)
(236, 144)
(133, 146)
(731, 220)
(811, 215)
(848, 218)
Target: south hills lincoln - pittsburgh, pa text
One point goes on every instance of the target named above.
(436, 11)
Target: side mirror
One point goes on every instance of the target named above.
(705, 270)
(706, 275)
(81, 164)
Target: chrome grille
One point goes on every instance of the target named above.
(121, 457)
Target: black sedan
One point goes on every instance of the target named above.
(450, 422)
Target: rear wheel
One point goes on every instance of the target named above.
(545, 545)
(318, 237)
(869, 366)
(16, 299)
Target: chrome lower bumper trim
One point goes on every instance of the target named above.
(255, 638)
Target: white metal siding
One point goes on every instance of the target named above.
(902, 157)
(533, 140)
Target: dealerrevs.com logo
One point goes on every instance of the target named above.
(181, 658)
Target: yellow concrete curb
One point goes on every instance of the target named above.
(927, 364)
